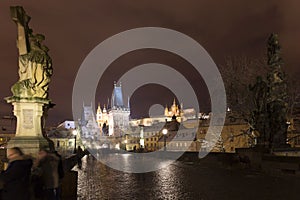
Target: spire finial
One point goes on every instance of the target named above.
(128, 102)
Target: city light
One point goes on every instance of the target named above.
(165, 131)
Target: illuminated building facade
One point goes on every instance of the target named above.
(115, 120)
(174, 110)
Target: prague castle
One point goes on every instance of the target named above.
(114, 120)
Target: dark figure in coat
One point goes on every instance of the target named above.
(16, 178)
(46, 167)
(61, 174)
(79, 156)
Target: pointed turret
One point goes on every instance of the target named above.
(128, 105)
(181, 109)
(173, 107)
(99, 110)
(166, 111)
(117, 97)
(104, 109)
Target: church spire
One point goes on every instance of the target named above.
(128, 103)
(166, 111)
(99, 109)
(117, 97)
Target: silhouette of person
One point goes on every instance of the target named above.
(46, 166)
(61, 174)
(79, 156)
(16, 178)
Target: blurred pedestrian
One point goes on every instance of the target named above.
(46, 167)
(61, 174)
(16, 178)
(79, 157)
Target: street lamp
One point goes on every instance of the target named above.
(74, 132)
(165, 131)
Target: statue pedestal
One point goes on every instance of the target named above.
(29, 112)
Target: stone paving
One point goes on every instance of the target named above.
(182, 180)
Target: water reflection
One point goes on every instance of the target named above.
(169, 183)
(181, 181)
(136, 162)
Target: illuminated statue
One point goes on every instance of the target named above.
(35, 65)
(30, 93)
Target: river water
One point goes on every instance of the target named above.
(182, 180)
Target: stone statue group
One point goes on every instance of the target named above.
(35, 65)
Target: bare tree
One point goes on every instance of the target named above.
(259, 91)
(293, 94)
(238, 74)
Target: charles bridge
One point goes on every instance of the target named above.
(270, 170)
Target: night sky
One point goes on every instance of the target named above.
(73, 28)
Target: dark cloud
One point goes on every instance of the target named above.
(74, 28)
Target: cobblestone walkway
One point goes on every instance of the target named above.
(181, 181)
